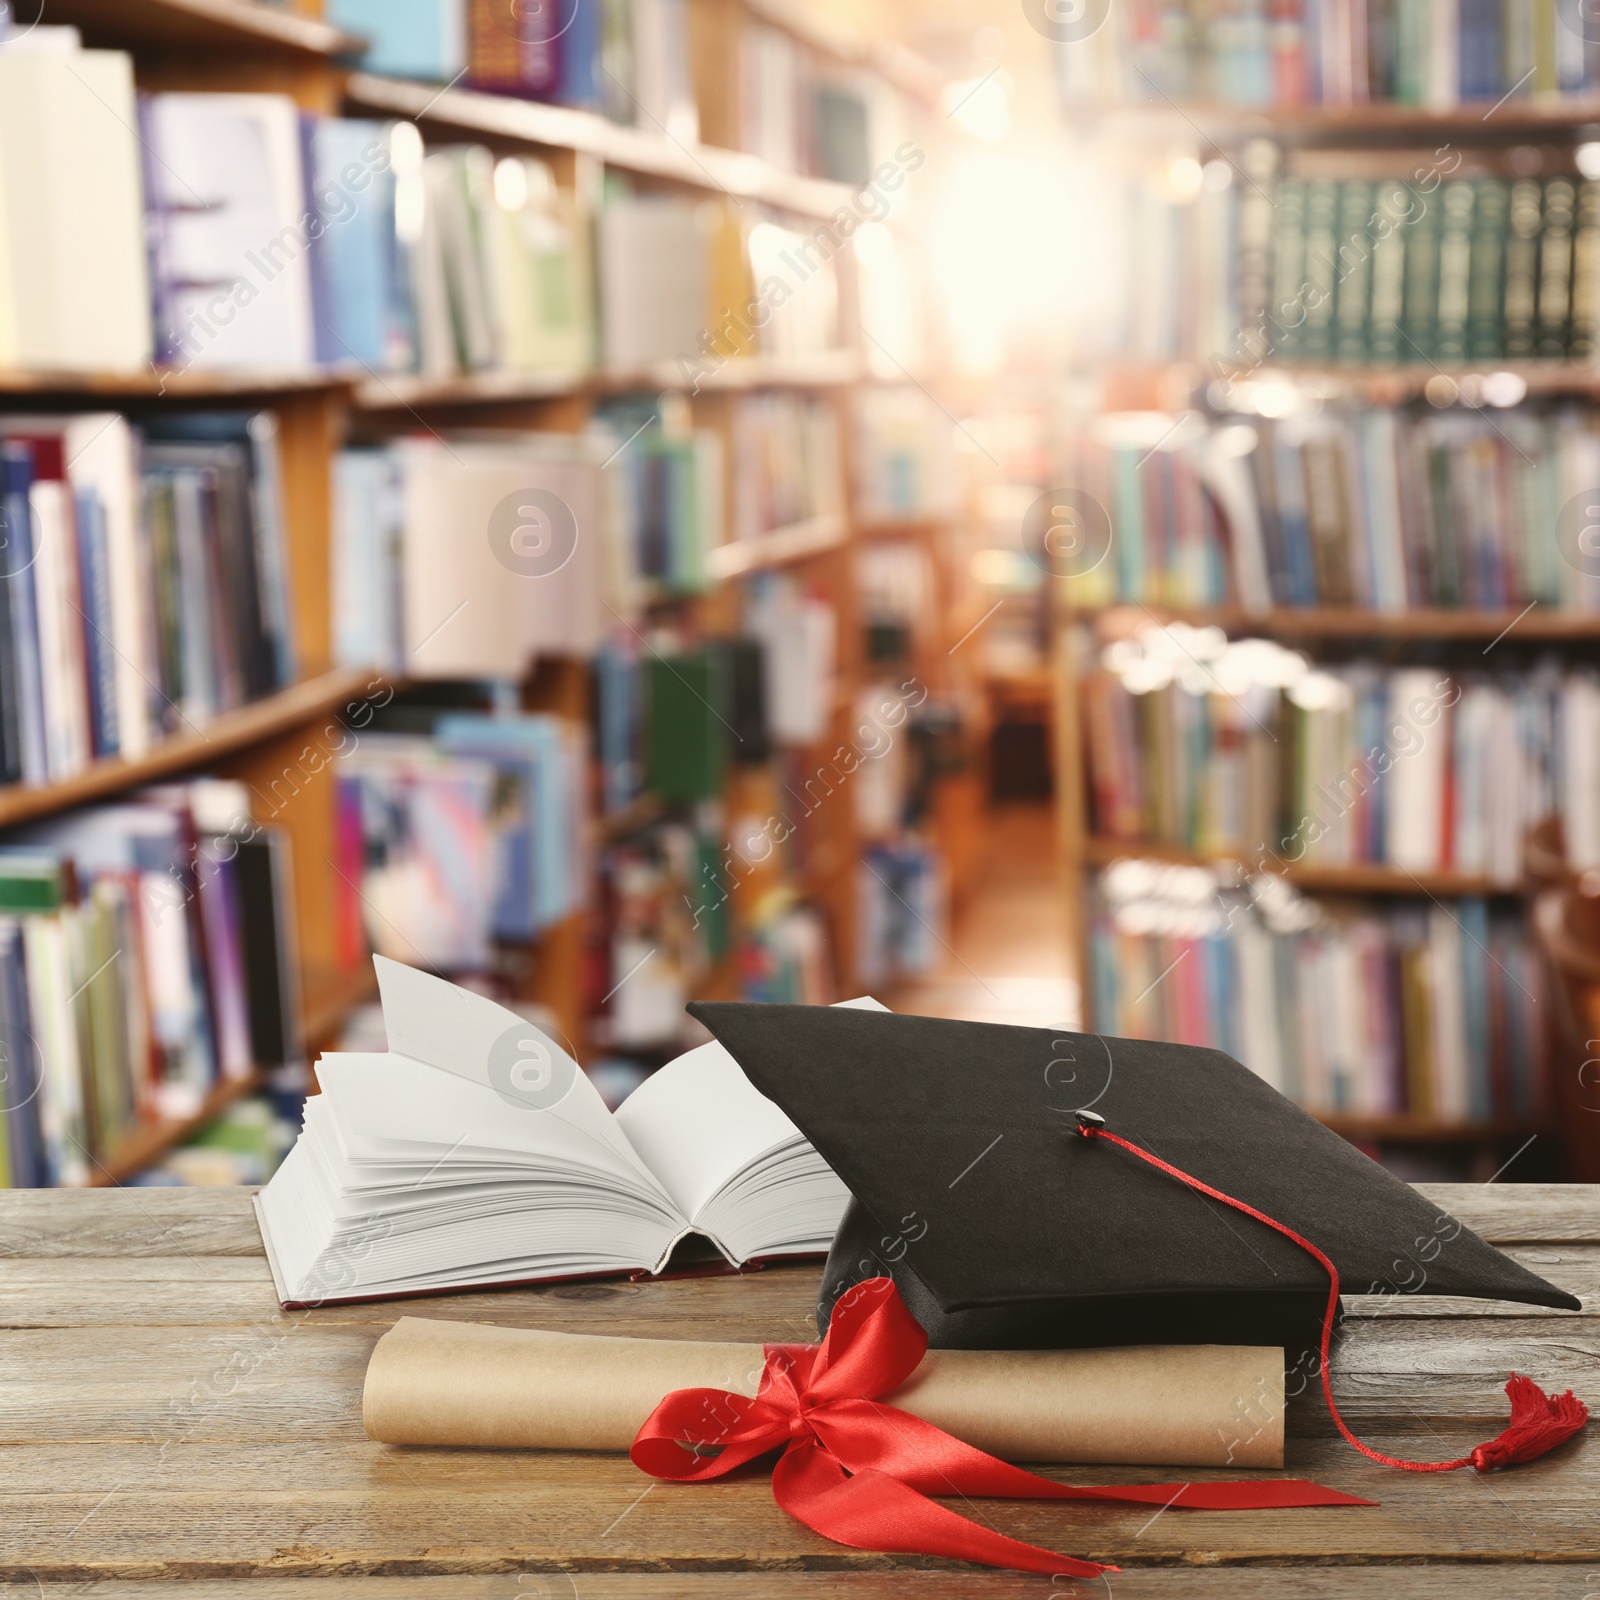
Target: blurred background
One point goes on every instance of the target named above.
(1073, 513)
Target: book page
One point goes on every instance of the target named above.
(699, 1122)
(435, 1022)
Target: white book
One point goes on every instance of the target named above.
(1415, 820)
(60, 613)
(61, 1109)
(74, 292)
(476, 1152)
(101, 455)
(228, 204)
(653, 295)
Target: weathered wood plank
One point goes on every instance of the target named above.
(128, 1222)
(200, 1222)
(1515, 1213)
(1455, 1581)
(435, 1512)
(88, 1291)
(247, 1383)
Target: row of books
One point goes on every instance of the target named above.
(146, 955)
(1477, 269)
(1414, 1008)
(1329, 52)
(146, 582)
(1348, 259)
(216, 231)
(1382, 509)
(663, 923)
(631, 61)
(1243, 747)
(471, 557)
(452, 842)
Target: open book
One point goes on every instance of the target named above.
(475, 1152)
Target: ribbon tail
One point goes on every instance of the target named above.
(871, 1511)
(868, 1436)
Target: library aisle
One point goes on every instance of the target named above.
(1008, 954)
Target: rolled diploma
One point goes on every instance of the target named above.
(464, 1383)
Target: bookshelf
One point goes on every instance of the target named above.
(235, 45)
(1491, 646)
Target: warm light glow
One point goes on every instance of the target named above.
(1013, 247)
(980, 107)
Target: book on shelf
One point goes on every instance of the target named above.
(903, 446)
(74, 292)
(662, 925)
(471, 835)
(226, 196)
(147, 583)
(1386, 510)
(1345, 258)
(1243, 747)
(785, 451)
(485, 1119)
(147, 954)
(1409, 1010)
(1332, 53)
(424, 39)
(472, 556)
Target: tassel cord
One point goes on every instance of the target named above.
(1538, 1422)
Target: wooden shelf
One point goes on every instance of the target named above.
(156, 384)
(630, 149)
(404, 391)
(1488, 121)
(233, 731)
(1404, 1128)
(1397, 384)
(145, 1143)
(194, 25)
(1324, 878)
(778, 547)
(912, 74)
(1545, 623)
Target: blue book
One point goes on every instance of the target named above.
(1295, 529)
(580, 54)
(99, 656)
(534, 871)
(1478, 43)
(407, 38)
(20, 1074)
(354, 259)
(16, 480)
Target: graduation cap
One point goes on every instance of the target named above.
(1004, 1227)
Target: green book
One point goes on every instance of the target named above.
(688, 724)
(32, 882)
(1457, 203)
(1353, 272)
(1388, 291)
(1411, 29)
(1522, 267)
(1287, 310)
(1555, 268)
(1486, 288)
(1321, 269)
(1585, 341)
(1422, 278)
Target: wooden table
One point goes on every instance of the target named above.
(162, 1420)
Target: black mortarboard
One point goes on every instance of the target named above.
(1003, 1229)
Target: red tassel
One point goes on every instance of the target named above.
(1538, 1423)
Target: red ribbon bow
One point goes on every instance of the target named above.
(859, 1472)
